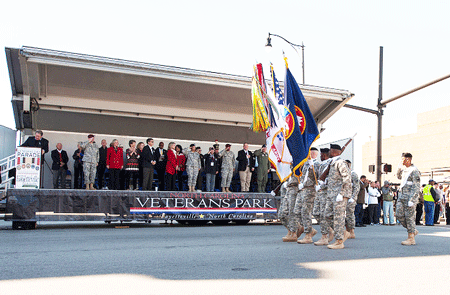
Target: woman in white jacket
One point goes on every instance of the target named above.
(373, 203)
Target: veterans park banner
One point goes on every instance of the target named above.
(73, 205)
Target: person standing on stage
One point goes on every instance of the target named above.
(149, 157)
(193, 166)
(339, 190)
(245, 167)
(102, 151)
(202, 169)
(408, 197)
(171, 167)
(161, 165)
(263, 167)
(227, 167)
(90, 161)
(210, 169)
(37, 141)
(59, 165)
(114, 163)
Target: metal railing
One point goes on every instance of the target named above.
(6, 165)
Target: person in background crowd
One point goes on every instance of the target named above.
(193, 165)
(114, 163)
(132, 167)
(161, 165)
(388, 204)
(37, 141)
(90, 161)
(102, 151)
(447, 206)
(202, 169)
(245, 167)
(360, 201)
(373, 203)
(429, 194)
(149, 157)
(227, 167)
(171, 167)
(59, 165)
(263, 167)
(181, 160)
(78, 167)
(380, 201)
(437, 203)
(210, 169)
(140, 147)
(419, 207)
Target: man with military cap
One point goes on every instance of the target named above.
(408, 197)
(263, 167)
(321, 200)
(193, 166)
(308, 182)
(227, 167)
(339, 191)
(90, 161)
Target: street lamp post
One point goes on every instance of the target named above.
(269, 45)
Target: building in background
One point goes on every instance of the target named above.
(430, 147)
(7, 141)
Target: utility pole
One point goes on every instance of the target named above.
(380, 118)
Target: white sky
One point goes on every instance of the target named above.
(342, 40)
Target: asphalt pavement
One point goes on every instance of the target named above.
(156, 258)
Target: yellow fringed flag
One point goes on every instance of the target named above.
(260, 119)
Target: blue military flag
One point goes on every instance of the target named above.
(302, 130)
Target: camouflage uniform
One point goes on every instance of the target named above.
(90, 161)
(409, 192)
(283, 211)
(321, 200)
(350, 210)
(193, 165)
(293, 199)
(228, 161)
(339, 182)
(309, 179)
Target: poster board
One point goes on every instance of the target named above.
(28, 167)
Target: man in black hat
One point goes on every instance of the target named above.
(339, 191)
(263, 167)
(226, 165)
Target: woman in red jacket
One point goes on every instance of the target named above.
(181, 160)
(114, 163)
(171, 167)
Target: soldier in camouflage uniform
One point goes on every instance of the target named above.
(408, 197)
(292, 210)
(339, 191)
(90, 161)
(228, 164)
(308, 181)
(321, 200)
(193, 166)
(351, 204)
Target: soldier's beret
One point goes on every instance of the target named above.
(335, 147)
(314, 149)
(325, 150)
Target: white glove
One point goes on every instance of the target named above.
(273, 193)
(317, 188)
(410, 204)
(300, 186)
(311, 162)
(339, 198)
(320, 182)
(351, 201)
(284, 184)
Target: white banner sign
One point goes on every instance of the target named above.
(28, 167)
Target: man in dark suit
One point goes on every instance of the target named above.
(161, 162)
(360, 201)
(149, 157)
(245, 167)
(37, 141)
(59, 165)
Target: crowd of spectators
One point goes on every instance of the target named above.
(376, 204)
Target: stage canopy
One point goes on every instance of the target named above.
(62, 91)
